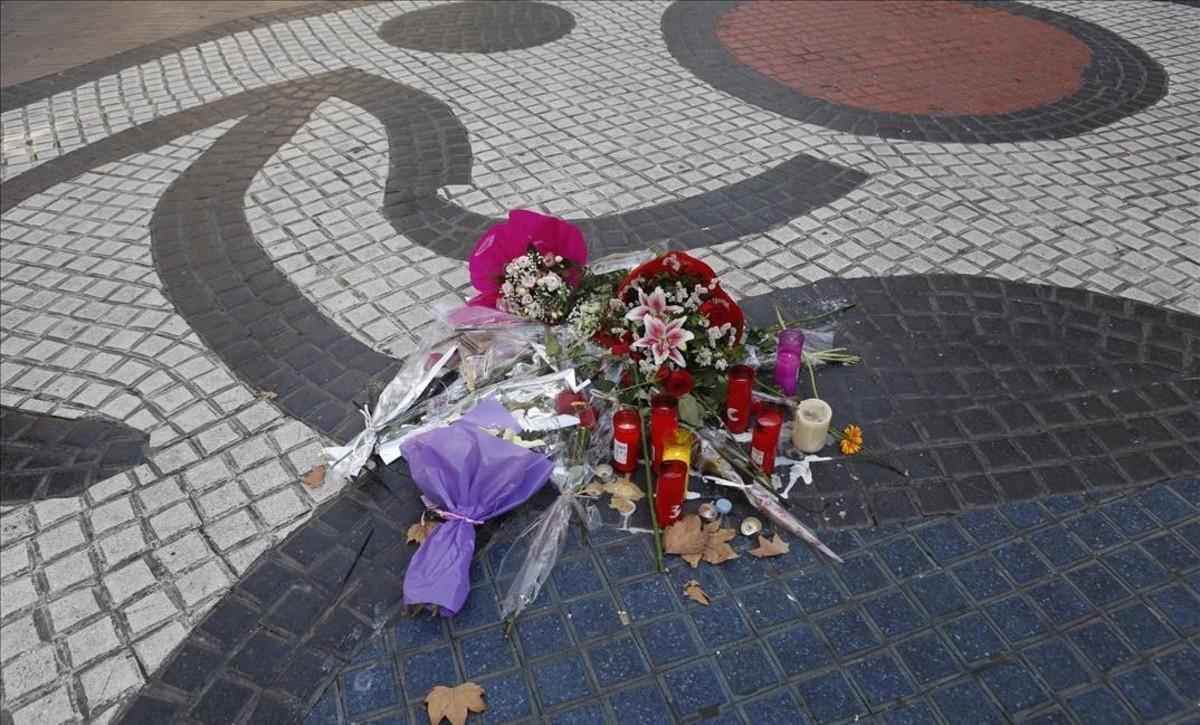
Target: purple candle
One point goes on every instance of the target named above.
(787, 360)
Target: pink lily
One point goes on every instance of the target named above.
(665, 340)
(652, 305)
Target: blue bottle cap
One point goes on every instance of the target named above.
(724, 506)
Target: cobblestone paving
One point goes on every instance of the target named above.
(99, 587)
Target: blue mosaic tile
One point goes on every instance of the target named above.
(1013, 686)
(371, 689)
(745, 571)
(594, 616)
(560, 680)
(1059, 601)
(1101, 645)
(893, 614)
(374, 650)
(508, 698)
(326, 709)
(848, 632)
(616, 661)
(913, 713)
(1129, 517)
(927, 658)
(647, 598)
(576, 578)
(1164, 504)
(1021, 562)
(769, 605)
(1049, 717)
(1135, 567)
(720, 623)
(778, 708)
(1058, 546)
(747, 669)
(938, 594)
(965, 702)
(1171, 552)
(1057, 665)
(984, 526)
(815, 591)
(542, 635)
(860, 575)
(1016, 618)
(629, 559)
(1183, 668)
(799, 649)
(981, 578)
(1141, 627)
(881, 680)
(944, 541)
(695, 687)
(413, 632)
(590, 714)
(829, 697)
(486, 652)
(1148, 693)
(1191, 532)
(904, 557)
(974, 638)
(425, 669)
(1023, 514)
(1179, 605)
(1099, 707)
(1095, 533)
(396, 718)
(1064, 504)
(669, 641)
(1098, 585)
(1189, 489)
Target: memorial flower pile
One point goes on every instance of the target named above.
(567, 371)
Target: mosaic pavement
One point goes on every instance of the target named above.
(219, 245)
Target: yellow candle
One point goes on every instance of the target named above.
(678, 447)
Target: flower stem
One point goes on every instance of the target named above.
(647, 460)
(812, 376)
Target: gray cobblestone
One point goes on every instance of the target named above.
(70, 570)
(67, 611)
(95, 640)
(129, 580)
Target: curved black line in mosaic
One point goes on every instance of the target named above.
(751, 206)
(22, 94)
(1120, 80)
(954, 366)
(45, 456)
(478, 27)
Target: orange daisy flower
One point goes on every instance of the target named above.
(852, 441)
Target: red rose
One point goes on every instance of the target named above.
(620, 348)
(662, 373)
(626, 379)
(565, 402)
(587, 417)
(679, 383)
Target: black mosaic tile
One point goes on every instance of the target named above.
(43, 456)
(474, 27)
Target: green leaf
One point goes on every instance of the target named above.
(603, 385)
(551, 343)
(690, 411)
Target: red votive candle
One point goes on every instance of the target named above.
(664, 418)
(627, 436)
(737, 398)
(668, 492)
(767, 426)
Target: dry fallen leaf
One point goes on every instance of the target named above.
(420, 531)
(686, 538)
(315, 478)
(453, 703)
(622, 505)
(694, 541)
(770, 547)
(624, 488)
(716, 548)
(692, 590)
(267, 395)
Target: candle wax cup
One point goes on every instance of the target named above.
(669, 491)
(627, 439)
(766, 439)
(811, 425)
(737, 398)
(664, 418)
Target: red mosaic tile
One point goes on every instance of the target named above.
(907, 56)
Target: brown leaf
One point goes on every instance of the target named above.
(420, 531)
(624, 488)
(770, 547)
(454, 703)
(315, 478)
(685, 537)
(716, 547)
(267, 395)
(692, 590)
(622, 505)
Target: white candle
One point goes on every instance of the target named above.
(811, 425)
